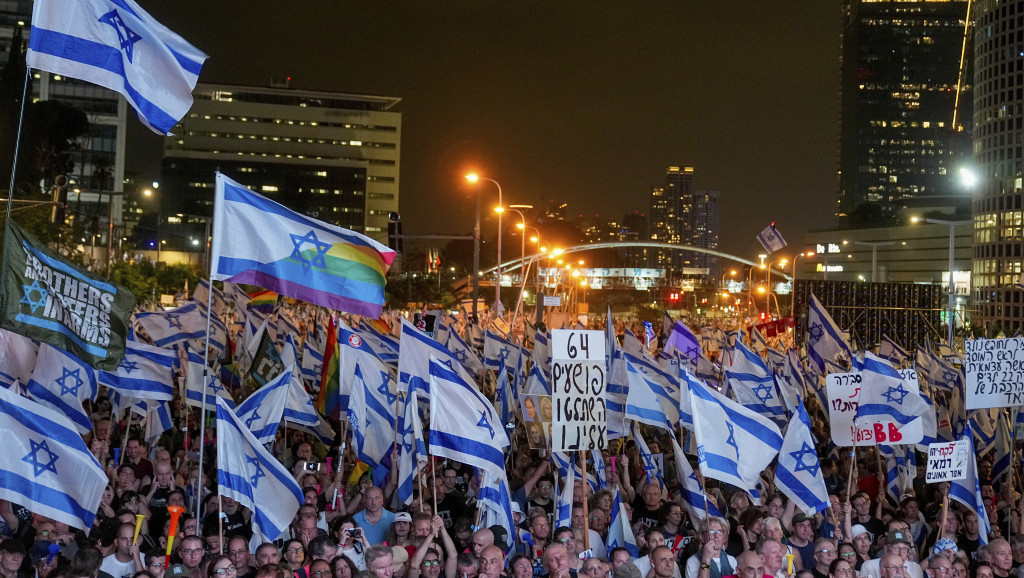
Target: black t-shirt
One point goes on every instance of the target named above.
(158, 509)
(873, 525)
(452, 507)
(965, 544)
(650, 518)
(236, 524)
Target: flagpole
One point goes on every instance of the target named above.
(124, 440)
(17, 142)
(586, 514)
(206, 382)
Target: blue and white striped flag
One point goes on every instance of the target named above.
(650, 466)
(886, 399)
(600, 471)
(117, 45)
(743, 450)
(495, 500)
(825, 341)
(312, 363)
(563, 506)
(541, 356)
(1003, 447)
(185, 323)
(194, 385)
(693, 497)
(458, 346)
(642, 403)
(19, 354)
(503, 398)
(263, 410)
(497, 350)
(536, 383)
(145, 372)
(202, 295)
(968, 490)
(892, 351)
(250, 475)
(299, 409)
(620, 533)
(798, 474)
(771, 239)
(158, 420)
(685, 342)
(371, 411)
(45, 466)
(61, 381)
(412, 453)
(665, 385)
(463, 424)
(754, 384)
(414, 359)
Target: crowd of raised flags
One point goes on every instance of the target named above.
(298, 429)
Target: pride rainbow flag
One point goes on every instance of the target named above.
(261, 242)
(328, 401)
(263, 301)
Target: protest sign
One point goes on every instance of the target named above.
(844, 391)
(578, 390)
(995, 372)
(947, 461)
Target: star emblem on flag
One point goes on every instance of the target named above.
(484, 423)
(69, 382)
(126, 36)
(810, 466)
(258, 473)
(731, 440)
(947, 376)
(320, 247)
(503, 354)
(215, 386)
(255, 416)
(34, 304)
(693, 352)
(461, 355)
(815, 331)
(701, 456)
(896, 394)
(128, 366)
(385, 391)
(763, 392)
(173, 321)
(38, 467)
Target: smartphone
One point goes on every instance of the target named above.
(312, 466)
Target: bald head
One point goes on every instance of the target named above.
(492, 562)
(749, 563)
(482, 539)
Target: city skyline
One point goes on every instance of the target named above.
(585, 107)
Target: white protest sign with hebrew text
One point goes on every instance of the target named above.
(578, 390)
(844, 396)
(947, 461)
(995, 372)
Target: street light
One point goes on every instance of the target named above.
(792, 293)
(522, 226)
(952, 245)
(750, 285)
(768, 285)
(874, 253)
(473, 178)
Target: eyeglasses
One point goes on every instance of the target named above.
(156, 564)
(566, 539)
(293, 550)
(942, 568)
(431, 563)
(715, 532)
(848, 554)
(825, 551)
(193, 551)
(321, 573)
(753, 571)
(892, 567)
(227, 570)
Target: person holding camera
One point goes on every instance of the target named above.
(351, 541)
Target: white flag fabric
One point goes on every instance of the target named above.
(495, 500)
(968, 490)
(754, 384)
(117, 45)
(158, 420)
(825, 341)
(798, 474)
(250, 475)
(685, 342)
(885, 398)
(372, 409)
(414, 359)
(19, 357)
(497, 350)
(642, 403)
(690, 491)
(620, 533)
(771, 239)
(145, 372)
(563, 507)
(61, 381)
(463, 424)
(412, 453)
(263, 410)
(743, 450)
(45, 465)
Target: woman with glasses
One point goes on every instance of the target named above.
(294, 554)
(221, 567)
(841, 568)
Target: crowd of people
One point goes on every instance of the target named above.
(349, 528)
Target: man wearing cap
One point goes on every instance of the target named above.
(12, 554)
(897, 544)
(802, 539)
(42, 561)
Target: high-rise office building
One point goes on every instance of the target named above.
(998, 204)
(681, 214)
(904, 132)
(333, 156)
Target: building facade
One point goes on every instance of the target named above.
(681, 214)
(905, 108)
(332, 156)
(998, 204)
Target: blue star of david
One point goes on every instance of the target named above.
(947, 376)
(173, 321)
(383, 390)
(320, 247)
(71, 388)
(731, 440)
(701, 456)
(816, 331)
(693, 352)
(33, 458)
(126, 36)
(447, 363)
(810, 466)
(763, 392)
(254, 480)
(896, 394)
(34, 288)
(215, 387)
(503, 353)
(255, 416)
(461, 355)
(485, 423)
(128, 366)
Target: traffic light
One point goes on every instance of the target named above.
(60, 200)
(395, 231)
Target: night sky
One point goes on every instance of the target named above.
(584, 102)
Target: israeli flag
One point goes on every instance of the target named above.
(1003, 446)
(384, 348)
(202, 295)
(536, 382)
(771, 239)
(685, 342)
(61, 381)
(563, 509)
(642, 403)
(664, 385)
(892, 351)
(541, 356)
(414, 359)
(412, 453)
(117, 45)
(45, 465)
(312, 362)
(620, 533)
(299, 409)
(968, 490)
(886, 398)
(464, 426)
(145, 372)
(19, 354)
(194, 385)
(495, 500)
(158, 420)
(826, 341)
(497, 350)
(600, 471)
(754, 384)
(250, 475)
(503, 396)
(263, 410)
(185, 323)
(650, 466)
(798, 474)
(743, 450)
(372, 408)
(463, 352)
(693, 497)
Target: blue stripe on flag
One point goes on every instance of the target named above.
(42, 494)
(59, 328)
(467, 446)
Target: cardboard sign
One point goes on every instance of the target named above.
(947, 461)
(995, 372)
(578, 390)
(843, 391)
(552, 300)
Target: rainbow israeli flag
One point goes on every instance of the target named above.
(260, 242)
